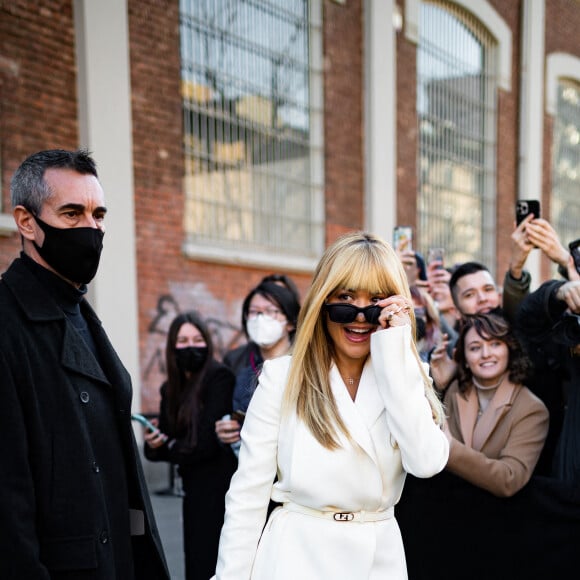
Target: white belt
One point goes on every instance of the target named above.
(360, 517)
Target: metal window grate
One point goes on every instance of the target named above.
(456, 106)
(565, 202)
(252, 107)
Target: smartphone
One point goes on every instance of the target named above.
(144, 421)
(525, 207)
(403, 238)
(436, 255)
(239, 416)
(574, 248)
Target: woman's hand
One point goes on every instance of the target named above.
(155, 438)
(443, 367)
(395, 311)
(227, 431)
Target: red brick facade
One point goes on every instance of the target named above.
(343, 105)
(38, 110)
(38, 103)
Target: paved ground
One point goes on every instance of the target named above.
(167, 508)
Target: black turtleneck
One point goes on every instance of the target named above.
(67, 296)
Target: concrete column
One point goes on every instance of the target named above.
(532, 113)
(380, 117)
(104, 90)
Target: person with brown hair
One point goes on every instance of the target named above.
(496, 426)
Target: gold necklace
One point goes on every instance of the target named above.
(350, 380)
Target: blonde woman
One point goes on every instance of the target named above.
(332, 430)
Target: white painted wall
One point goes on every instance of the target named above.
(380, 117)
(532, 114)
(104, 90)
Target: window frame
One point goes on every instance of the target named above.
(228, 252)
(566, 234)
(485, 13)
(472, 172)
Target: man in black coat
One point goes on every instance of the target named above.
(548, 323)
(73, 500)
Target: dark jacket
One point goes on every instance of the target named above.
(514, 291)
(66, 440)
(556, 378)
(532, 535)
(216, 401)
(242, 356)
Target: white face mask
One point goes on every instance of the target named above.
(264, 330)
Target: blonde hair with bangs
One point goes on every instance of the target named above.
(356, 260)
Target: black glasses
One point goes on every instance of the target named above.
(345, 313)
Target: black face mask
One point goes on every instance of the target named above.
(190, 359)
(73, 252)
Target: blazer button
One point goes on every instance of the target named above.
(84, 396)
(96, 467)
(103, 537)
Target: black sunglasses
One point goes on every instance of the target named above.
(345, 313)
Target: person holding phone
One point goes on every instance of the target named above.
(548, 324)
(474, 291)
(340, 422)
(270, 312)
(534, 232)
(197, 392)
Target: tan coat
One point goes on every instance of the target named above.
(499, 452)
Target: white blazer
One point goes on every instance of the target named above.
(368, 476)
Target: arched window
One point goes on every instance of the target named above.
(252, 108)
(456, 107)
(565, 202)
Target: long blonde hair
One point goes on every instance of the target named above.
(356, 260)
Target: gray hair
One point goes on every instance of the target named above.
(28, 187)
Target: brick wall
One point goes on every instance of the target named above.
(38, 110)
(37, 89)
(343, 126)
(168, 281)
(407, 129)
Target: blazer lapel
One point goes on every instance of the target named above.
(467, 407)
(368, 401)
(77, 356)
(115, 372)
(360, 415)
(498, 407)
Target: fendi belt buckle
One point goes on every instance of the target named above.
(343, 517)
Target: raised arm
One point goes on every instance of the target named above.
(424, 447)
(507, 474)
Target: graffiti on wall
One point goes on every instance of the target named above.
(225, 334)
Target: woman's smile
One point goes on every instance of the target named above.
(357, 333)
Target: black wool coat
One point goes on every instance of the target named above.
(63, 418)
